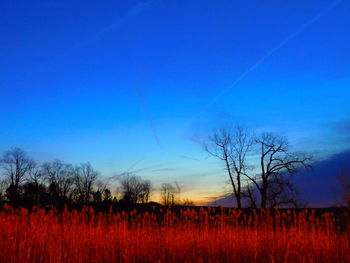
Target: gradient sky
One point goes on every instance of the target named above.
(134, 84)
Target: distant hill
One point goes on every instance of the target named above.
(318, 187)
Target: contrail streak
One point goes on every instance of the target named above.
(263, 58)
(128, 172)
(133, 12)
(143, 105)
(133, 165)
(190, 158)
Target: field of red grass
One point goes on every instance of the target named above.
(192, 236)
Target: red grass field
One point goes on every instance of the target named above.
(194, 236)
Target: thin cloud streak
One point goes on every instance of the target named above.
(132, 13)
(134, 165)
(143, 105)
(190, 158)
(170, 169)
(263, 58)
(133, 172)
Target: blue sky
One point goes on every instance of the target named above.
(123, 83)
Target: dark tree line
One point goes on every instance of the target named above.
(26, 183)
(23, 182)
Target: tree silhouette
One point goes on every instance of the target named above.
(135, 189)
(61, 178)
(276, 163)
(84, 180)
(167, 193)
(16, 167)
(231, 146)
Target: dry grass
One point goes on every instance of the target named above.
(191, 237)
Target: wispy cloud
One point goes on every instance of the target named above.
(341, 126)
(265, 57)
(190, 158)
(169, 169)
(342, 130)
(115, 25)
(134, 165)
(201, 174)
(134, 171)
(144, 108)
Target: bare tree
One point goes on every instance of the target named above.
(16, 166)
(102, 193)
(84, 180)
(146, 188)
(34, 190)
(135, 189)
(249, 193)
(232, 146)
(60, 177)
(131, 188)
(282, 192)
(35, 175)
(167, 193)
(276, 162)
